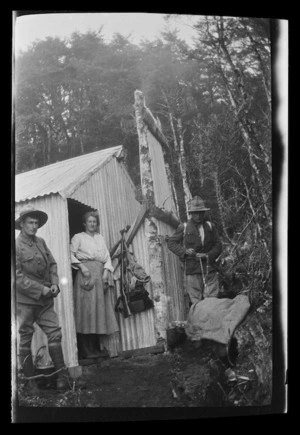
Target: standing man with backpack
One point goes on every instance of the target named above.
(197, 243)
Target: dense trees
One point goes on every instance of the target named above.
(73, 97)
(213, 102)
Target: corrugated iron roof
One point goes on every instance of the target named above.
(61, 177)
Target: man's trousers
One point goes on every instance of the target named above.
(196, 289)
(44, 316)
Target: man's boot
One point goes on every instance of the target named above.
(56, 354)
(63, 382)
(27, 366)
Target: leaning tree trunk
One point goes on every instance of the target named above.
(181, 161)
(151, 224)
(180, 153)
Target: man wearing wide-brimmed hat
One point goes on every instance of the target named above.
(197, 243)
(36, 286)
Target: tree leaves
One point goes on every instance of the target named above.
(76, 96)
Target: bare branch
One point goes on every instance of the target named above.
(44, 376)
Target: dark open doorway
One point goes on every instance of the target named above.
(76, 211)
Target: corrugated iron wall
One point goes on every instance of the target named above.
(138, 331)
(172, 270)
(111, 191)
(173, 278)
(56, 234)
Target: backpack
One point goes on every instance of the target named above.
(185, 225)
(137, 297)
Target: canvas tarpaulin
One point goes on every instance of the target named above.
(216, 319)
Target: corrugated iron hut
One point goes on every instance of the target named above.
(99, 181)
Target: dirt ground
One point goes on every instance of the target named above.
(184, 377)
(149, 380)
(187, 376)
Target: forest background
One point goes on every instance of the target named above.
(214, 104)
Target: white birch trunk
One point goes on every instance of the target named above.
(181, 160)
(150, 225)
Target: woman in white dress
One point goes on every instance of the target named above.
(94, 312)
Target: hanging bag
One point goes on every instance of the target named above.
(138, 297)
(134, 297)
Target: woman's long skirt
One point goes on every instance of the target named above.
(94, 312)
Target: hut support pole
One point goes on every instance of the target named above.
(151, 225)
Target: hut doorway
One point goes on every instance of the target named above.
(76, 211)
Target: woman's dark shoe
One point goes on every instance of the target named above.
(85, 347)
(93, 352)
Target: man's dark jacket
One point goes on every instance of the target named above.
(179, 242)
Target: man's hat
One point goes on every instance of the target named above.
(30, 211)
(196, 204)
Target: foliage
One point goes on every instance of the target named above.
(213, 102)
(73, 98)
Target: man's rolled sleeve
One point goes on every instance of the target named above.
(175, 242)
(217, 246)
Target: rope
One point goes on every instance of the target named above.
(43, 376)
